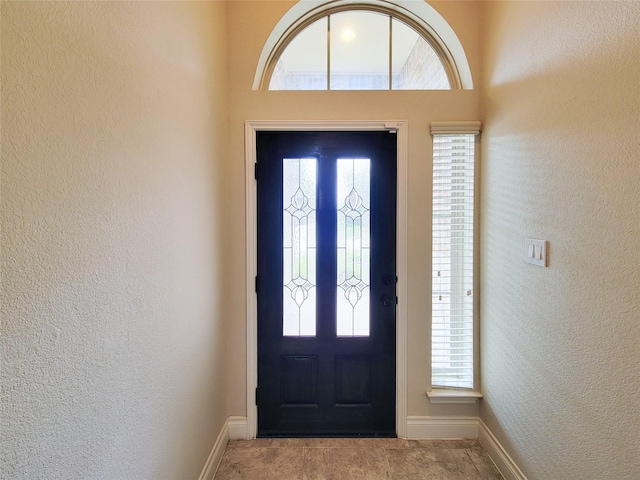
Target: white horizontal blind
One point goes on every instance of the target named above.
(452, 256)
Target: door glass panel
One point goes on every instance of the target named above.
(353, 243)
(299, 180)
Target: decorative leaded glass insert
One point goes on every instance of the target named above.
(353, 242)
(299, 180)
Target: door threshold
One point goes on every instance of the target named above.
(328, 435)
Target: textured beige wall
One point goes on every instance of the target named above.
(250, 23)
(561, 346)
(113, 142)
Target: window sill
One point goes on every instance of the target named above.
(443, 395)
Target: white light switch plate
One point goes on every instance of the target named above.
(536, 251)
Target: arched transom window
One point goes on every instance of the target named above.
(359, 50)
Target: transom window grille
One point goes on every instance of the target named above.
(359, 50)
(452, 335)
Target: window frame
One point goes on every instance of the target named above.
(449, 393)
(441, 38)
(433, 76)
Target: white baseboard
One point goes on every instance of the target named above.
(238, 428)
(211, 465)
(498, 454)
(235, 428)
(441, 428)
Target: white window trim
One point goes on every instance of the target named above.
(303, 13)
(449, 396)
(452, 128)
(443, 395)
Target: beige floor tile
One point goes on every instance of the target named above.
(356, 464)
(407, 463)
(483, 463)
(434, 444)
(355, 459)
(419, 463)
(449, 471)
(270, 443)
(314, 463)
(446, 455)
(413, 466)
(350, 442)
(261, 463)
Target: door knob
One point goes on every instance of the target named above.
(386, 301)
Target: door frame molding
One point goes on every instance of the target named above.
(401, 128)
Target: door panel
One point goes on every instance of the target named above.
(326, 251)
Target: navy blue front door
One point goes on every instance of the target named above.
(326, 283)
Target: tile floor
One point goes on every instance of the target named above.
(355, 459)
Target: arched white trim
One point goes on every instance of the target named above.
(421, 13)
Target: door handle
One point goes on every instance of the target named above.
(386, 301)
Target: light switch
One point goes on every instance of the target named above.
(530, 251)
(536, 251)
